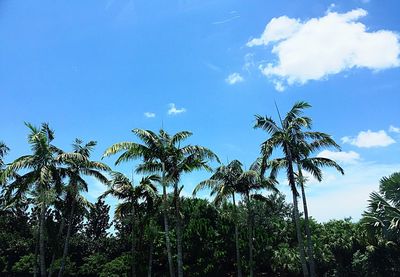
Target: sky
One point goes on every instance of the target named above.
(96, 69)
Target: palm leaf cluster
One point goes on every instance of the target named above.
(383, 212)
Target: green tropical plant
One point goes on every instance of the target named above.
(383, 212)
(42, 173)
(224, 183)
(305, 142)
(284, 136)
(162, 154)
(248, 182)
(123, 189)
(75, 170)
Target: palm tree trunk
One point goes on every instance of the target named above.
(307, 226)
(250, 236)
(66, 243)
(60, 230)
(297, 217)
(42, 238)
(166, 225)
(150, 266)
(238, 263)
(35, 267)
(299, 235)
(133, 238)
(178, 231)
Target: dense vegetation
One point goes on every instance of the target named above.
(47, 227)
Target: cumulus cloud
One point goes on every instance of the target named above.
(350, 157)
(173, 110)
(368, 139)
(234, 78)
(394, 129)
(318, 47)
(149, 114)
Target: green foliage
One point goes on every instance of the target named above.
(119, 267)
(25, 264)
(93, 265)
(50, 181)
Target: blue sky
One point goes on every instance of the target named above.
(97, 69)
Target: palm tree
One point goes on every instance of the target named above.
(297, 145)
(152, 150)
(41, 175)
(124, 189)
(75, 170)
(248, 182)
(162, 154)
(224, 184)
(283, 137)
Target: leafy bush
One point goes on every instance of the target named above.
(119, 267)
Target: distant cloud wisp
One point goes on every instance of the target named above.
(394, 129)
(149, 114)
(319, 47)
(350, 157)
(234, 78)
(174, 111)
(368, 139)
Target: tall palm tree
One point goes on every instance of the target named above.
(124, 189)
(298, 143)
(224, 184)
(283, 137)
(75, 170)
(251, 181)
(162, 154)
(41, 173)
(151, 151)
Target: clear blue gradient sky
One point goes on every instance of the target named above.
(97, 69)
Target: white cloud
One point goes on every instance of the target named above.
(367, 139)
(149, 114)
(394, 129)
(234, 78)
(173, 110)
(279, 86)
(350, 157)
(277, 29)
(318, 47)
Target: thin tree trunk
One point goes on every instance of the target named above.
(238, 263)
(35, 268)
(299, 235)
(150, 266)
(166, 225)
(42, 238)
(307, 226)
(66, 243)
(178, 231)
(297, 216)
(60, 230)
(133, 238)
(250, 235)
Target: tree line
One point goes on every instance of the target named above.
(48, 228)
